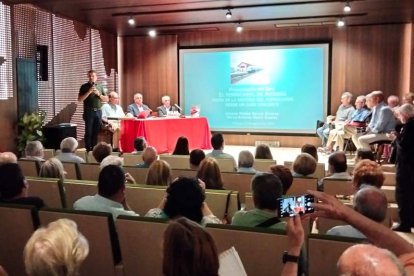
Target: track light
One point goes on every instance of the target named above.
(131, 21)
(347, 7)
(152, 33)
(239, 28)
(340, 22)
(228, 14)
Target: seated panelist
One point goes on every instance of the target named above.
(112, 109)
(165, 107)
(138, 108)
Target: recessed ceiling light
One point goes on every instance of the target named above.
(347, 7)
(228, 14)
(131, 21)
(340, 22)
(152, 33)
(239, 28)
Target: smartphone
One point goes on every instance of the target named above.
(295, 205)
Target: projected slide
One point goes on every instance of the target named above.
(278, 89)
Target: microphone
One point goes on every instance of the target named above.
(179, 108)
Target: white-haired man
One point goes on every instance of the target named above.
(68, 147)
(112, 109)
(138, 106)
(165, 107)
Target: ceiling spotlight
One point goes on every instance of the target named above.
(340, 22)
(131, 21)
(347, 7)
(152, 33)
(239, 28)
(228, 14)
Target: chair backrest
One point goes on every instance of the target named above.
(389, 192)
(301, 184)
(388, 167)
(226, 164)
(75, 190)
(188, 173)
(390, 179)
(99, 230)
(91, 159)
(48, 153)
(335, 187)
(17, 225)
(142, 198)
(89, 171)
(260, 250)
(324, 252)
(29, 167)
(49, 189)
(177, 161)
(139, 174)
(141, 241)
(237, 182)
(72, 170)
(248, 201)
(132, 159)
(82, 153)
(218, 200)
(263, 165)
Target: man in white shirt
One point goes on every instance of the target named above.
(113, 110)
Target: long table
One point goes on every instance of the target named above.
(162, 133)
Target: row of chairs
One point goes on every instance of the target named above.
(133, 245)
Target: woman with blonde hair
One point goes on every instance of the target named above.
(159, 173)
(367, 172)
(52, 168)
(209, 173)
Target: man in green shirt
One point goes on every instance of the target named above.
(92, 94)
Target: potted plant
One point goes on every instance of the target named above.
(30, 126)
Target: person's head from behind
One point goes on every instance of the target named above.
(369, 173)
(364, 154)
(209, 172)
(12, 182)
(393, 101)
(371, 202)
(337, 162)
(34, 149)
(263, 152)
(68, 144)
(8, 157)
(304, 164)
(52, 168)
(189, 250)
(246, 159)
(140, 144)
(111, 183)
(111, 160)
(159, 173)
(285, 176)
(196, 156)
(217, 141)
(185, 198)
(149, 155)
(311, 149)
(266, 189)
(101, 150)
(181, 147)
(56, 250)
(369, 260)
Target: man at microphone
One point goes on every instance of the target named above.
(92, 95)
(166, 106)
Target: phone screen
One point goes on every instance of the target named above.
(294, 205)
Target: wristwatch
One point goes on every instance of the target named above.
(289, 258)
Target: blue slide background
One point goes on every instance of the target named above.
(280, 89)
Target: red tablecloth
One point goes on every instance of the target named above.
(162, 133)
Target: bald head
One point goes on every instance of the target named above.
(149, 155)
(369, 260)
(371, 202)
(7, 157)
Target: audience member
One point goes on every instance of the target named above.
(369, 173)
(52, 168)
(337, 168)
(196, 156)
(139, 144)
(369, 201)
(364, 154)
(246, 161)
(266, 189)
(14, 187)
(310, 149)
(285, 176)
(112, 109)
(111, 194)
(68, 147)
(159, 173)
(101, 150)
(181, 147)
(185, 198)
(166, 106)
(217, 141)
(8, 157)
(408, 98)
(304, 165)
(148, 156)
(209, 173)
(117, 161)
(263, 152)
(34, 151)
(58, 249)
(137, 107)
(393, 101)
(189, 250)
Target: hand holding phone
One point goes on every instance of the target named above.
(295, 205)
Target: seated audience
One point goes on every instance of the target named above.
(159, 173)
(8, 157)
(266, 189)
(57, 249)
(34, 151)
(137, 107)
(148, 156)
(68, 147)
(304, 165)
(310, 149)
(369, 173)
(52, 168)
(117, 161)
(189, 250)
(166, 106)
(337, 168)
(181, 147)
(370, 202)
(112, 109)
(217, 141)
(111, 194)
(285, 176)
(246, 161)
(196, 156)
(14, 187)
(393, 101)
(364, 154)
(139, 144)
(209, 173)
(101, 150)
(185, 198)
(263, 152)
